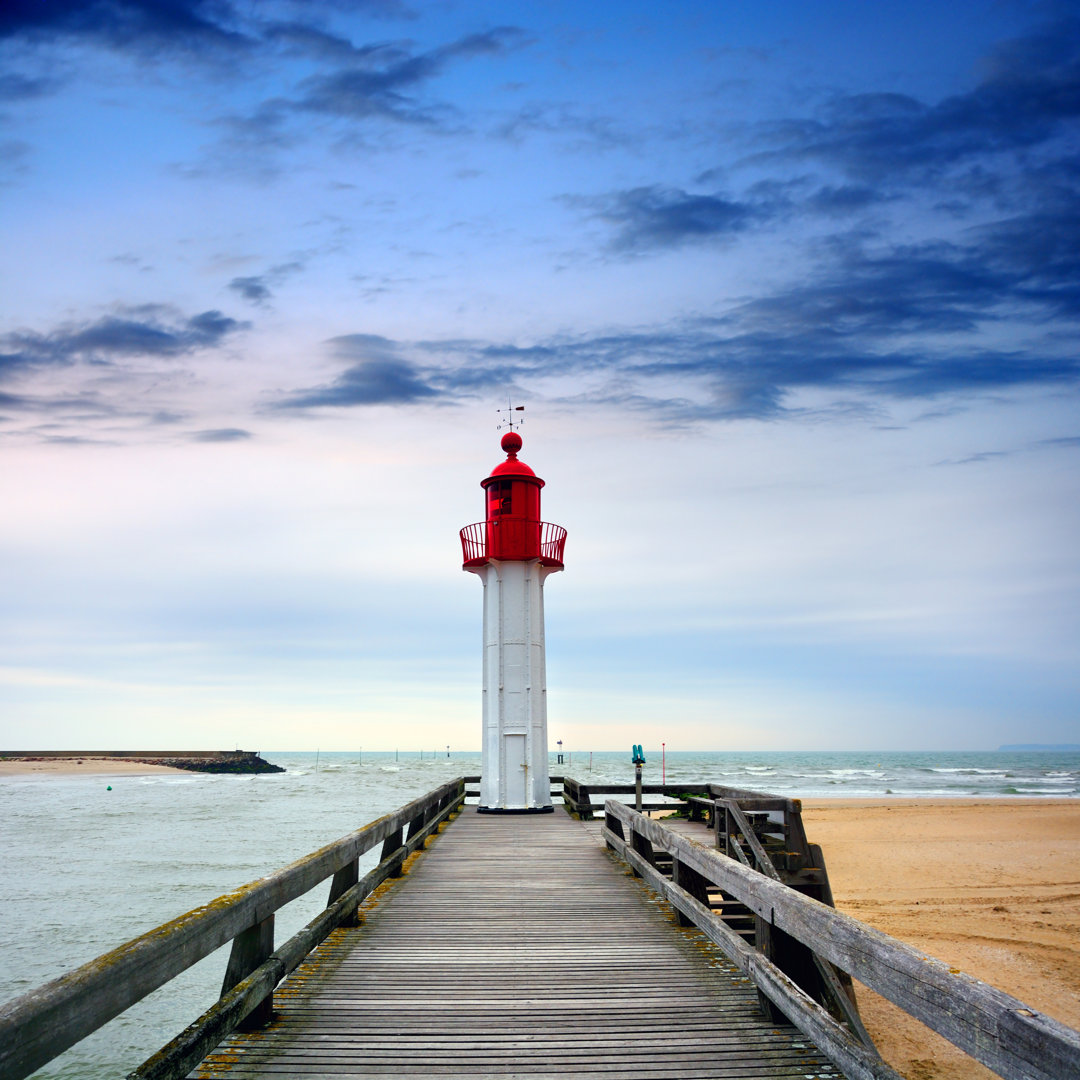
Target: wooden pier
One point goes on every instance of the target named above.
(516, 948)
(544, 945)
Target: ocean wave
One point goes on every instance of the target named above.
(968, 769)
(1010, 790)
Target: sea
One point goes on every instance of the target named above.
(89, 862)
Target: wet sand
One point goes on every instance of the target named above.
(85, 766)
(989, 886)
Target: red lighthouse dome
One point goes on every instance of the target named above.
(512, 529)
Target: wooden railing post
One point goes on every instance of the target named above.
(614, 825)
(342, 882)
(643, 846)
(250, 949)
(390, 845)
(697, 885)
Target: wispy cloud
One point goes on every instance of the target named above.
(113, 369)
(143, 26)
(377, 375)
(18, 87)
(145, 330)
(381, 80)
(698, 370)
(221, 435)
(1030, 89)
(652, 217)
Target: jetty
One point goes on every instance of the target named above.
(209, 761)
(594, 941)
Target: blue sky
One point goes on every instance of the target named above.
(790, 295)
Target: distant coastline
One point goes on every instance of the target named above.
(207, 761)
(1055, 747)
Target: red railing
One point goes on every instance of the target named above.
(512, 538)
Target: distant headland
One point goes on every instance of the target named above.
(209, 761)
(1040, 746)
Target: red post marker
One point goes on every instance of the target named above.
(663, 763)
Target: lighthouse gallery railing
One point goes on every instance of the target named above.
(548, 540)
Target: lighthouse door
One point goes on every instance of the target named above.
(515, 772)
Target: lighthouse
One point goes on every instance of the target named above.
(513, 551)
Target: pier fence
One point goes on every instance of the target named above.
(704, 885)
(735, 864)
(41, 1024)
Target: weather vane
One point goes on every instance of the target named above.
(507, 421)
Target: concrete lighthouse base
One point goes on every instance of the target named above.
(514, 771)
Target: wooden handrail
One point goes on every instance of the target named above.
(580, 796)
(44, 1022)
(993, 1027)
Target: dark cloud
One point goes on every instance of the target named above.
(745, 366)
(259, 288)
(377, 375)
(147, 330)
(859, 294)
(149, 26)
(16, 87)
(254, 289)
(379, 78)
(1039, 253)
(844, 199)
(650, 217)
(1031, 90)
(220, 435)
(1006, 148)
(658, 218)
(977, 459)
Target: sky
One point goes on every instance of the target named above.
(790, 293)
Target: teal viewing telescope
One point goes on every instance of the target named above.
(638, 755)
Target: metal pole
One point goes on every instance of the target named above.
(637, 784)
(663, 763)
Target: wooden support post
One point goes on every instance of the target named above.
(799, 963)
(417, 824)
(249, 950)
(343, 881)
(612, 823)
(584, 803)
(643, 846)
(765, 941)
(686, 877)
(392, 843)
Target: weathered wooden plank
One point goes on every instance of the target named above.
(1004, 1034)
(555, 967)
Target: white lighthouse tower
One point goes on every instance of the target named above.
(513, 551)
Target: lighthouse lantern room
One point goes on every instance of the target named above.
(513, 551)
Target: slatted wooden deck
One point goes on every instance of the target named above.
(515, 947)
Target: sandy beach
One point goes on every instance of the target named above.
(82, 767)
(988, 886)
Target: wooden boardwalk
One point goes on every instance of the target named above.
(516, 947)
